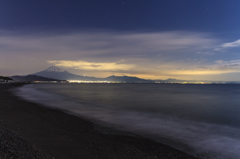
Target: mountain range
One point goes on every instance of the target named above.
(59, 74)
(54, 73)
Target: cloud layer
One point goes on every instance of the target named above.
(104, 43)
(101, 53)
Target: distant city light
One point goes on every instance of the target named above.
(79, 81)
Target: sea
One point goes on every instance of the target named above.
(202, 120)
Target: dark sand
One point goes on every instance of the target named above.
(63, 136)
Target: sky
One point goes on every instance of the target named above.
(150, 39)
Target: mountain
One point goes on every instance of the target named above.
(173, 80)
(54, 69)
(126, 79)
(169, 80)
(30, 78)
(57, 73)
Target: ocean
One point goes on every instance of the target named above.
(197, 119)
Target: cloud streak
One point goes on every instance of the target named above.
(228, 45)
(84, 65)
(232, 44)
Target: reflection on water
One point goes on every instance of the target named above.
(204, 117)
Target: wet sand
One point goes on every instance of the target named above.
(51, 132)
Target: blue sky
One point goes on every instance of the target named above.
(157, 39)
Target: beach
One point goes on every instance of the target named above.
(51, 133)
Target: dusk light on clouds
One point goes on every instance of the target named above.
(83, 65)
(173, 45)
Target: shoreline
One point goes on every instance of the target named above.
(62, 135)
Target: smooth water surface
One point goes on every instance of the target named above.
(203, 117)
